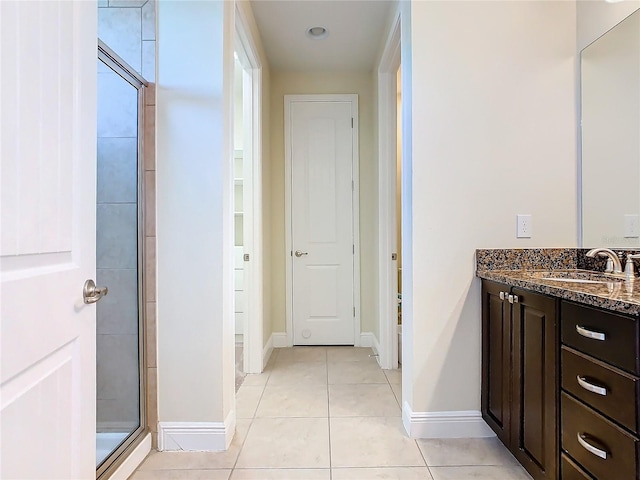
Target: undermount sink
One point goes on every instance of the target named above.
(575, 276)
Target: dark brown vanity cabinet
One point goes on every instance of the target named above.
(519, 374)
(496, 360)
(600, 399)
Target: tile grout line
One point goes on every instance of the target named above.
(235, 463)
(424, 459)
(326, 358)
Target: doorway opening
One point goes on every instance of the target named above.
(240, 190)
(247, 199)
(120, 409)
(390, 199)
(399, 214)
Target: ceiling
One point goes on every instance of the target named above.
(355, 33)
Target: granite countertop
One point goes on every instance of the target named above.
(517, 268)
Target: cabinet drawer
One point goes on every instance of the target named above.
(616, 336)
(569, 470)
(607, 389)
(600, 436)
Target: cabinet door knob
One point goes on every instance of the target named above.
(590, 448)
(582, 381)
(513, 299)
(585, 332)
(503, 295)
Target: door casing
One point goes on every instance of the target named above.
(253, 355)
(353, 99)
(387, 151)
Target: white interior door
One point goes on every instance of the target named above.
(321, 146)
(47, 334)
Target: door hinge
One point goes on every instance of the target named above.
(354, 311)
(353, 185)
(351, 122)
(353, 249)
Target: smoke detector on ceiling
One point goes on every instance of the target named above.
(317, 33)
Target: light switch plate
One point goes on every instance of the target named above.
(525, 226)
(631, 226)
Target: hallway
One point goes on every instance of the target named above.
(330, 413)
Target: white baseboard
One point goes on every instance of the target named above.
(279, 340)
(267, 351)
(133, 461)
(368, 339)
(196, 436)
(450, 424)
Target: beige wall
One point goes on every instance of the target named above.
(493, 120)
(287, 83)
(267, 263)
(595, 18)
(194, 178)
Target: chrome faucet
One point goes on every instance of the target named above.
(629, 271)
(613, 261)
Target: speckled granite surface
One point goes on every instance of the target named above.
(526, 258)
(517, 268)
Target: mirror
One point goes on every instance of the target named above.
(610, 77)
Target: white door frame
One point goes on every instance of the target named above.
(387, 161)
(288, 99)
(252, 190)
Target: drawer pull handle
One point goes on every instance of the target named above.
(582, 381)
(590, 448)
(590, 333)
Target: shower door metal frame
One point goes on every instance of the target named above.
(120, 67)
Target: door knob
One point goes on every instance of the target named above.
(300, 253)
(91, 293)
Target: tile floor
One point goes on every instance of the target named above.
(330, 413)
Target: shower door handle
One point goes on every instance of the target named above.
(91, 293)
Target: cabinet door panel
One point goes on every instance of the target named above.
(534, 415)
(496, 360)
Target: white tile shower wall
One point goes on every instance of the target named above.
(117, 157)
(118, 116)
(117, 245)
(121, 30)
(128, 28)
(117, 261)
(115, 310)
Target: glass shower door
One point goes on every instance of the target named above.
(118, 261)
